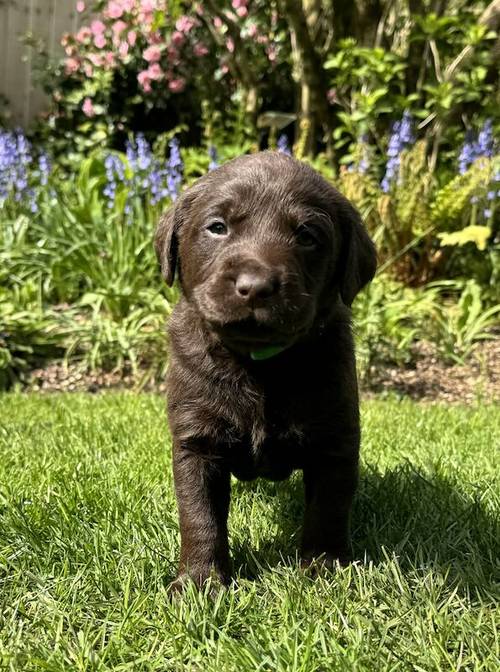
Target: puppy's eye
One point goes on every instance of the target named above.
(305, 238)
(217, 228)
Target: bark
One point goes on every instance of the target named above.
(313, 82)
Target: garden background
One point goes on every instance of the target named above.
(397, 103)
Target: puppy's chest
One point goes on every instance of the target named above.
(269, 441)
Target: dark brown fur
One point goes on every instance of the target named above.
(297, 410)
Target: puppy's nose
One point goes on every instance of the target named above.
(251, 285)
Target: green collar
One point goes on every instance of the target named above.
(267, 352)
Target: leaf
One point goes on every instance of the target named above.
(476, 234)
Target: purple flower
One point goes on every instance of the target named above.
(144, 154)
(485, 141)
(212, 155)
(15, 163)
(487, 212)
(175, 167)
(283, 146)
(44, 166)
(401, 138)
(467, 154)
(472, 149)
(115, 172)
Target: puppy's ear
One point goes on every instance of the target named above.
(166, 244)
(358, 257)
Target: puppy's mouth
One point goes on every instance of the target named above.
(257, 341)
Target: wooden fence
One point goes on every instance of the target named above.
(46, 20)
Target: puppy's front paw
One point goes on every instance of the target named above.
(200, 577)
(313, 562)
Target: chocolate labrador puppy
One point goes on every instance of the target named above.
(262, 376)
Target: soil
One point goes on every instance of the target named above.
(427, 378)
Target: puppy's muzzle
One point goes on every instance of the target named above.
(253, 283)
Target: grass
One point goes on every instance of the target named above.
(88, 544)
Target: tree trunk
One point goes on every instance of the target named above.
(310, 73)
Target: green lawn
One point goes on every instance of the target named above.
(88, 544)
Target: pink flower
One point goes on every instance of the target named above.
(80, 6)
(97, 27)
(88, 108)
(123, 49)
(109, 59)
(237, 4)
(65, 39)
(242, 12)
(224, 69)
(132, 37)
(177, 85)
(152, 54)
(271, 53)
(118, 27)
(155, 72)
(83, 35)
(178, 38)
(218, 22)
(100, 41)
(88, 70)
(184, 24)
(200, 49)
(114, 10)
(96, 59)
(230, 44)
(252, 30)
(144, 81)
(172, 55)
(72, 65)
(148, 6)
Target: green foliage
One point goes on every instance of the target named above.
(458, 326)
(99, 298)
(368, 83)
(79, 279)
(420, 221)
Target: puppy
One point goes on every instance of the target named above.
(262, 376)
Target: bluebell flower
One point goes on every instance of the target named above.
(485, 140)
(472, 149)
(283, 146)
(401, 138)
(15, 162)
(115, 172)
(487, 212)
(44, 166)
(467, 153)
(144, 154)
(212, 155)
(175, 167)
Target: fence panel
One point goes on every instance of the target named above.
(46, 19)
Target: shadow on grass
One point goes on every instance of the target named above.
(428, 522)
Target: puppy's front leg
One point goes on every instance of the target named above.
(202, 486)
(330, 484)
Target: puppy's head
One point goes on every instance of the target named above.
(264, 247)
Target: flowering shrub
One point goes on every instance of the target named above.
(144, 65)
